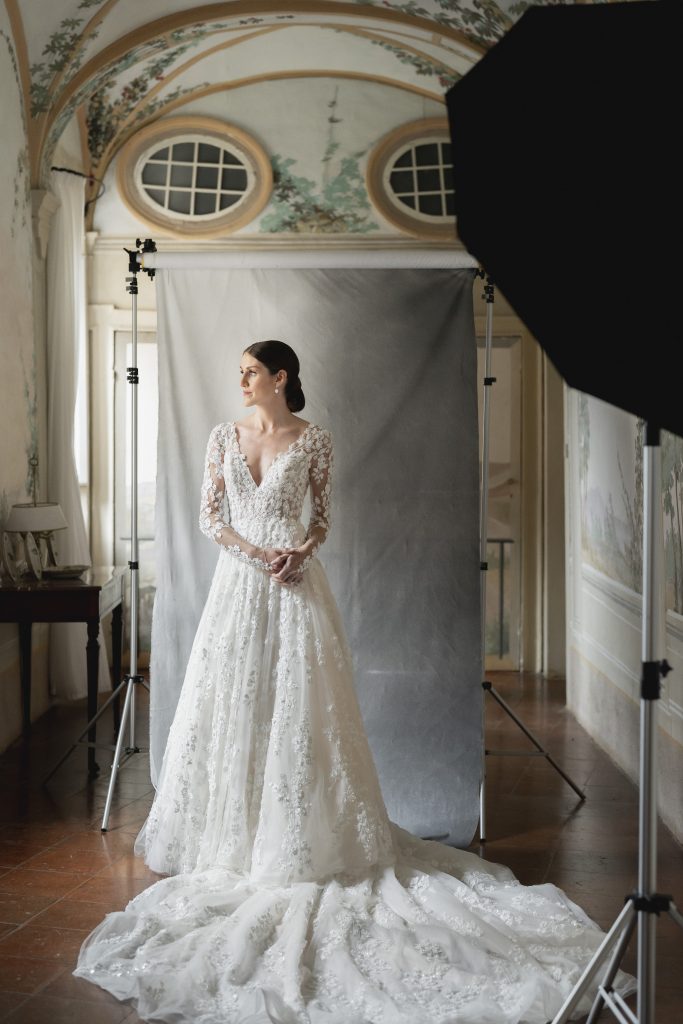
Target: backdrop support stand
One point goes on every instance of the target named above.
(132, 679)
(489, 381)
(644, 906)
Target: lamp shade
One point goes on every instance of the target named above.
(46, 515)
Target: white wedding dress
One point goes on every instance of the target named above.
(291, 896)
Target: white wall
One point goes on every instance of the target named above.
(604, 601)
(22, 403)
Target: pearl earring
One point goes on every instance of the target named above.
(277, 391)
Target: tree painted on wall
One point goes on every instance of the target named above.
(339, 204)
(300, 205)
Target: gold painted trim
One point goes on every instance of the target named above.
(41, 123)
(276, 76)
(374, 178)
(365, 33)
(247, 8)
(165, 129)
(182, 68)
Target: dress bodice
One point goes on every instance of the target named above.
(268, 513)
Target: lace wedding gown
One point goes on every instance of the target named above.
(291, 896)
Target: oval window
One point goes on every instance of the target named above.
(410, 179)
(194, 176)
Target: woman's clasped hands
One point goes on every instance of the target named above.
(284, 564)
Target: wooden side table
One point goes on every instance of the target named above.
(88, 599)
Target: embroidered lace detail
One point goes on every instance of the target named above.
(402, 944)
(240, 514)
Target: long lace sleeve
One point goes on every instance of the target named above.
(320, 476)
(211, 521)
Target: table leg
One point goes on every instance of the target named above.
(93, 659)
(25, 674)
(116, 641)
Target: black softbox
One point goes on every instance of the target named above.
(565, 139)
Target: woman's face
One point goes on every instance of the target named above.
(257, 383)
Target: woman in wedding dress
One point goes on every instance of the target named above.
(291, 898)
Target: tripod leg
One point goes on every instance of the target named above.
(624, 920)
(675, 914)
(116, 633)
(527, 732)
(117, 754)
(92, 657)
(101, 711)
(612, 969)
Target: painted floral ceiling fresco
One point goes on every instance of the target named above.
(115, 65)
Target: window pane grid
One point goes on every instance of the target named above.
(429, 165)
(190, 186)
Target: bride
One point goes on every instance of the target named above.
(290, 897)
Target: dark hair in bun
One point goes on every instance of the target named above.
(278, 355)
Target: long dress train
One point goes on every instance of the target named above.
(291, 898)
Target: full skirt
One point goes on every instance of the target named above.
(291, 898)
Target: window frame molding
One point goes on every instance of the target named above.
(164, 132)
(378, 164)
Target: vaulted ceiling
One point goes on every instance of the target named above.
(116, 64)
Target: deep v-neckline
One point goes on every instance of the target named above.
(285, 451)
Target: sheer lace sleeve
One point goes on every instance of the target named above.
(320, 477)
(211, 521)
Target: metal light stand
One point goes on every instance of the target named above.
(132, 679)
(488, 687)
(644, 906)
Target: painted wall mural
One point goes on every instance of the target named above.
(427, 67)
(113, 112)
(105, 118)
(62, 56)
(482, 21)
(298, 205)
(72, 34)
(318, 157)
(18, 418)
(80, 30)
(611, 489)
(610, 447)
(338, 203)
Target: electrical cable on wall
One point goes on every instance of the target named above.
(90, 178)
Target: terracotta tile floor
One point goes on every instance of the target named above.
(59, 874)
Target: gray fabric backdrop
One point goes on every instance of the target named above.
(388, 363)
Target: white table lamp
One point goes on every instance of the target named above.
(41, 519)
